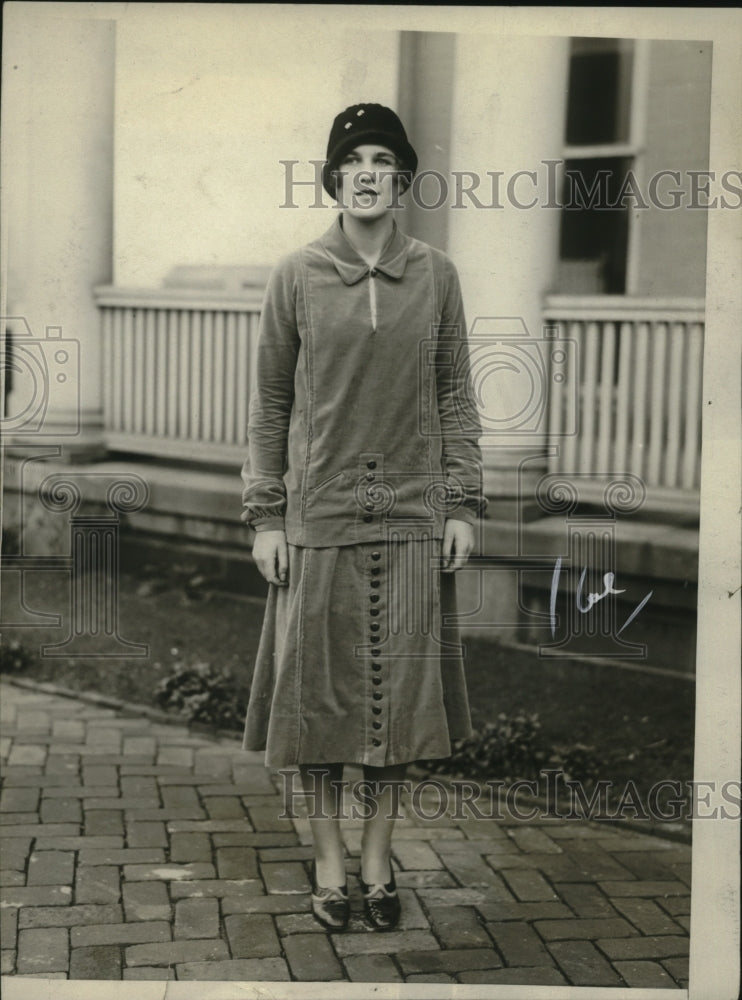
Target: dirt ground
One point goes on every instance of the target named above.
(640, 725)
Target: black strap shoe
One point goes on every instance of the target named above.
(381, 904)
(331, 906)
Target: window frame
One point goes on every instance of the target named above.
(633, 149)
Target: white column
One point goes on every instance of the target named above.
(509, 113)
(59, 168)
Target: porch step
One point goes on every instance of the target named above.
(504, 593)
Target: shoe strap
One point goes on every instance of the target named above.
(331, 894)
(378, 889)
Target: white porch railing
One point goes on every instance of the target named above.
(177, 371)
(635, 379)
(179, 366)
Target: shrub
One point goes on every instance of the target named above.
(14, 657)
(509, 748)
(578, 762)
(512, 748)
(201, 693)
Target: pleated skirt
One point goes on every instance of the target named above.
(359, 659)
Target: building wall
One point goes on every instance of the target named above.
(427, 83)
(673, 242)
(206, 108)
(58, 112)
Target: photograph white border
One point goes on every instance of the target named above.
(715, 896)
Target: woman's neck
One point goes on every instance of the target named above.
(368, 236)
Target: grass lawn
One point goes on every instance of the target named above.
(639, 726)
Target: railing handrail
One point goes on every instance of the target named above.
(251, 300)
(623, 307)
(618, 307)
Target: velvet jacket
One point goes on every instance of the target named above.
(362, 425)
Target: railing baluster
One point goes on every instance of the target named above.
(108, 366)
(674, 412)
(588, 386)
(623, 396)
(639, 408)
(184, 373)
(127, 372)
(692, 416)
(173, 375)
(244, 357)
(139, 374)
(605, 418)
(206, 341)
(117, 360)
(163, 366)
(567, 461)
(232, 378)
(556, 404)
(219, 379)
(196, 400)
(149, 421)
(657, 404)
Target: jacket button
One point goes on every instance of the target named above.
(375, 710)
(376, 725)
(370, 477)
(376, 652)
(375, 570)
(376, 743)
(377, 695)
(371, 464)
(373, 272)
(368, 517)
(369, 506)
(376, 556)
(375, 583)
(376, 666)
(373, 611)
(374, 626)
(374, 598)
(376, 680)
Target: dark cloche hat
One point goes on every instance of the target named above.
(366, 123)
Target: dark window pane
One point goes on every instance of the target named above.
(599, 96)
(594, 227)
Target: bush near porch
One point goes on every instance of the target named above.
(594, 720)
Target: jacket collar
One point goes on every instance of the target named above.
(352, 267)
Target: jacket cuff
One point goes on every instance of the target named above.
(269, 524)
(465, 514)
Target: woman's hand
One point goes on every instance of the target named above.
(271, 556)
(458, 542)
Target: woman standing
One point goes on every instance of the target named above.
(363, 483)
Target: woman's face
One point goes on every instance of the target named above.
(368, 181)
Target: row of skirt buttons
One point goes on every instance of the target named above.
(375, 627)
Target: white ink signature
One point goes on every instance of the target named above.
(585, 605)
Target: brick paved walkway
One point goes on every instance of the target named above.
(138, 850)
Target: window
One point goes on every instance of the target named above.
(599, 153)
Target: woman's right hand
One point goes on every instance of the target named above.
(271, 556)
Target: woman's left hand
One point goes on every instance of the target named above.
(458, 542)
